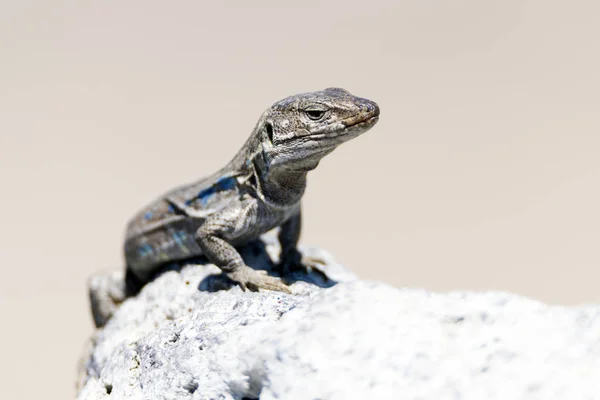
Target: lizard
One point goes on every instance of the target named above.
(258, 190)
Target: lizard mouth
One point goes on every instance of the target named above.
(369, 121)
(349, 126)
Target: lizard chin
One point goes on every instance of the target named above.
(304, 167)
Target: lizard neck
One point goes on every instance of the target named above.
(283, 187)
(279, 186)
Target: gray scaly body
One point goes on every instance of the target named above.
(260, 189)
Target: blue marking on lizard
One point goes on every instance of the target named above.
(226, 183)
(205, 194)
(179, 237)
(148, 215)
(222, 184)
(145, 250)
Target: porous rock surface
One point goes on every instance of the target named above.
(190, 335)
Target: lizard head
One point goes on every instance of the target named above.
(300, 130)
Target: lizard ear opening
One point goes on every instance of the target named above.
(269, 131)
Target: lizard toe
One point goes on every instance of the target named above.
(254, 280)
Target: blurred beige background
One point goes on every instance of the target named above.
(483, 172)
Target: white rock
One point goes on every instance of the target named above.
(355, 340)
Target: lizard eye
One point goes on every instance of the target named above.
(269, 130)
(315, 115)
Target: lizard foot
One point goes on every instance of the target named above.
(315, 264)
(296, 261)
(254, 280)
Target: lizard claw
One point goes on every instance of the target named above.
(249, 278)
(296, 261)
(313, 262)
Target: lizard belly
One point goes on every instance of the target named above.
(144, 253)
(262, 220)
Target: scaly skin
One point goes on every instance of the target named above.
(260, 189)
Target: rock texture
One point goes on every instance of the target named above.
(183, 338)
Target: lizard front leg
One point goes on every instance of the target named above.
(211, 237)
(291, 259)
(289, 234)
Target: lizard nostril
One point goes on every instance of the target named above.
(372, 107)
(375, 108)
